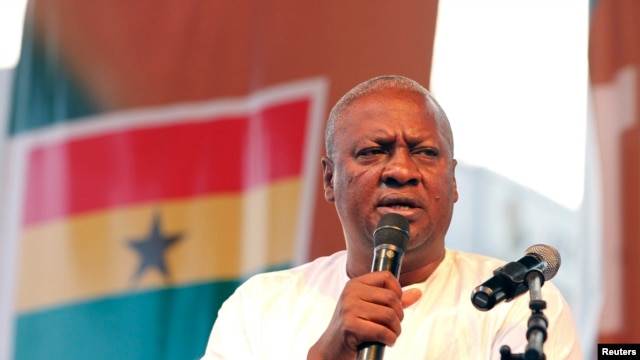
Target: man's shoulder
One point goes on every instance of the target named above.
(473, 261)
(331, 268)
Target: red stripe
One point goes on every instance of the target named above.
(190, 158)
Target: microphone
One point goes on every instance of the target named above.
(390, 239)
(510, 280)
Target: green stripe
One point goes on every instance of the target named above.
(166, 324)
(44, 91)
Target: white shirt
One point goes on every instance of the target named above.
(280, 315)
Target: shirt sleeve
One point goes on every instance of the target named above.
(229, 338)
(562, 341)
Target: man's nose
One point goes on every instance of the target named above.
(400, 169)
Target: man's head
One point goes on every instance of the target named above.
(390, 149)
(377, 84)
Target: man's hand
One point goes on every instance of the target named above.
(370, 309)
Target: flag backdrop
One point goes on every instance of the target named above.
(614, 57)
(158, 153)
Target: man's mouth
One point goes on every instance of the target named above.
(399, 206)
(398, 203)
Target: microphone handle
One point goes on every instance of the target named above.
(371, 351)
(385, 257)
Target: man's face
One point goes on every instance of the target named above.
(389, 156)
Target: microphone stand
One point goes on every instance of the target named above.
(537, 331)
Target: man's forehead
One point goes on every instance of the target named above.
(365, 108)
(355, 121)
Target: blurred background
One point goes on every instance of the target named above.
(156, 154)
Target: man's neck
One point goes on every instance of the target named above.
(413, 274)
(413, 270)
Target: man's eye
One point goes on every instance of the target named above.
(428, 152)
(371, 152)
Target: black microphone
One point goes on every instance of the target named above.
(390, 239)
(509, 280)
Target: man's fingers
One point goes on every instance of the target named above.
(410, 297)
(382, 279)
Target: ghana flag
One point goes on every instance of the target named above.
(160, 152)
(133, 226)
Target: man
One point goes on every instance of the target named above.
(389, 149)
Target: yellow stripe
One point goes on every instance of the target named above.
(223, 236)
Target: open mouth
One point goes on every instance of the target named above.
(398, 203)
(399, 206)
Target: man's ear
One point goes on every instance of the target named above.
(455, 182)
(327, 179)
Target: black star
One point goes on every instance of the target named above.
(152, 249)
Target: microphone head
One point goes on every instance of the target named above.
(392, 229)
(549, 255)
